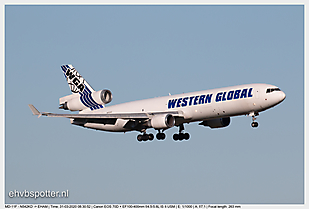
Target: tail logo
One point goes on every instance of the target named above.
(75, 80)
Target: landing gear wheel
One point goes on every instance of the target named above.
(181, 136)
(254, 124)
(186, 136)
(176, 137)
(145, 137)
(160, 136)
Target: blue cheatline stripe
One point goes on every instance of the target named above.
(81, 99)
(63, 69)
(87, 89)
(86, 97)
(98, 107)
(82, 93)
(87, 100)
(92, 100)
(84, 100)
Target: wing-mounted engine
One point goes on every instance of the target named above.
(162, 121)
(94, 100)
(217, 123)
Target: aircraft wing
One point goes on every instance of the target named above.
(103, 116)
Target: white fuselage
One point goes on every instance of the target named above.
(197, 106)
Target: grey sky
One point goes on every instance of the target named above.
(141, 52)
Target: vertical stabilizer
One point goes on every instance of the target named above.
(83, 95)
(76, 82)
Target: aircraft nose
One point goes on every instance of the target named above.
(283, 96)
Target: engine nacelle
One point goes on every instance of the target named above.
(217, 123)
(162, 121)
(103, 96)
(81, 102)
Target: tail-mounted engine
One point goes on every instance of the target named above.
(93, 100)
(217, 123)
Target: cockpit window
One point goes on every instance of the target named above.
(272, 89)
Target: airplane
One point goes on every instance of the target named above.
(212, 108)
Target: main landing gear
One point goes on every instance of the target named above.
(254, 124)
(150, 137)
(161, 136)
(181, 136)
(145, 137)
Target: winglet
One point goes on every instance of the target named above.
(34, 110)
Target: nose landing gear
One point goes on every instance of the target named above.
(254, 124)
